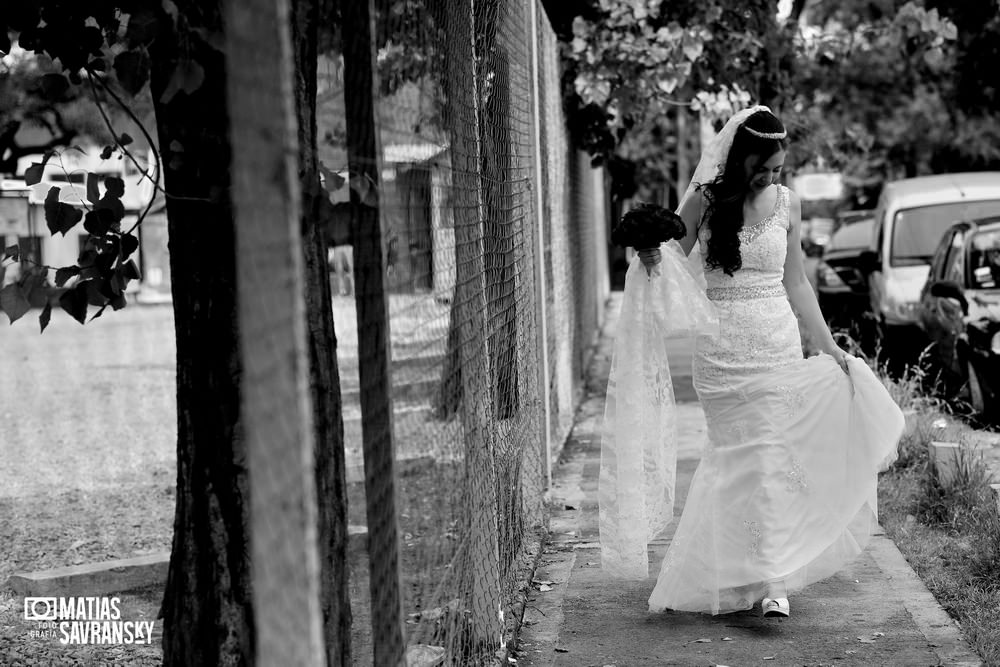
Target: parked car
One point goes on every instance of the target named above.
(841, 286)
(959, 310)
(910, 218)
(850, 216)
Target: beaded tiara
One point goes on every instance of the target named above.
(766, 135)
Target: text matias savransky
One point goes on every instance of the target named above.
(85, 620)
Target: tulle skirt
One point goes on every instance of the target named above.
(786, 490)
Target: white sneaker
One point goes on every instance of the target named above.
(775, 608)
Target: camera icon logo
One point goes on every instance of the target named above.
(40, 609)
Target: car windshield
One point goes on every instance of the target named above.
(855, 235)
(984, 258)
(918, 231)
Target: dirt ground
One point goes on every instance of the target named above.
(87, 454)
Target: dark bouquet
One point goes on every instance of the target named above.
(647, 226)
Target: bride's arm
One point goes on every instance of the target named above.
(800, 292)
(690, 212)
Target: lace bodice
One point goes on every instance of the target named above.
(758, 332)
(763, 247)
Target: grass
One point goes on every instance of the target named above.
(948, 528)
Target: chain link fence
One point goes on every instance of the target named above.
(494, 233)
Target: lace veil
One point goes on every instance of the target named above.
(639, 436)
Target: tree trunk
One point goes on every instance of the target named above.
(371, 303)
(277, 410)
(331, 482)
(207, 608)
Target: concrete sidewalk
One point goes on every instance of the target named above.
(875, 612)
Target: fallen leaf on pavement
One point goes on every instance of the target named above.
(545, 588)
(562, 650)
(727, 639)
(770, 657)
(703, 640)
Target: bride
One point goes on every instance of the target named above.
(785, 492)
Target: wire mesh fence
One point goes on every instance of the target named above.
(496, 261)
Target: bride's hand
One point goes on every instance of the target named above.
(650, 257)
(841, 358)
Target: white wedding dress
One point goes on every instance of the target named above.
(786, 487)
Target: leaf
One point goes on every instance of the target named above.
(934, 57)
(32, 280)
(74, 302)
(65, 273)
(93, 193)
(98, 221)
(132, 69)
(113, 205)
(99, 312)
(692, 47)
(545, 588)
(119, 302)
(98, 291)
(114, 186)
(332, 181)
(54, 86)
(366, 190)
(14, 302)
(12, 252)
(142, 27)
(188, 77)
(130, 270)
(46, 315)
(667, 85)
(33, 174)
(125, 139)
(106, 153)
(703, 640)
(129, 245)
(60, 217)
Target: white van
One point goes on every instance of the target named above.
(911, 216)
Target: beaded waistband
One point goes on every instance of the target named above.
(741, 292)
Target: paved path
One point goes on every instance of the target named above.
(876, 612)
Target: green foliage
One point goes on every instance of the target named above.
(104, 268)
(844, 82)
(104, 45)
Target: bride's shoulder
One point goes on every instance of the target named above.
(792, 205)
(790, 195)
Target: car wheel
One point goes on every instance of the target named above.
(976, 398)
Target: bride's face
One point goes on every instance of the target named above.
(760, 174)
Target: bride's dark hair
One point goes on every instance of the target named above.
(724, 196)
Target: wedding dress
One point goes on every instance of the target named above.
(786, 487)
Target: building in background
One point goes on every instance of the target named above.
(22, 216)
